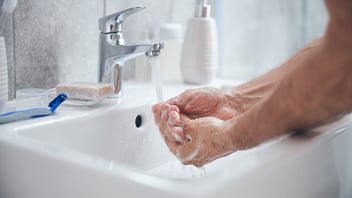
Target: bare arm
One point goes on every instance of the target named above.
(316, 89)
(251, 92)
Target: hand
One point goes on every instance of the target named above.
(202, 102)
(199, 114)
(206, 140)
(194, 103)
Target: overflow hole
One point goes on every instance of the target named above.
(138, 121)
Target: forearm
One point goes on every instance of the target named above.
(251, 92)
(269, 79)
(312, 88)
(317, 90)
(321, 84)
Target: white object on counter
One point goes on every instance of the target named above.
(4, 88)
(171, 35)
(31, 98)
(199, 59)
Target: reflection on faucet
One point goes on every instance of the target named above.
(113, 52)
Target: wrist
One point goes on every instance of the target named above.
(240, 133)
(242, 98)
(259, 124)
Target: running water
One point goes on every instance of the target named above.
(155, 65)
(173, 168)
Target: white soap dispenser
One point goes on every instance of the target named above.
(199, 59)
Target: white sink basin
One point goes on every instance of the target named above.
(124, 135)
(114, 151)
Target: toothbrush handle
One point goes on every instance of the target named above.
(24, 114)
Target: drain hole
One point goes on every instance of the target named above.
(138, 121)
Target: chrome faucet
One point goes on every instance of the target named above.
(113, 51)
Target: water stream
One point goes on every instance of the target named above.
(155, 67)
(173, 168)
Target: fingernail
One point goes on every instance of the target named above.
(173, 118)
(177, 132)
(177, 137)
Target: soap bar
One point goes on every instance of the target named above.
(86, 90)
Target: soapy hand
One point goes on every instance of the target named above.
(206, 139)
(194, 103)
(192, 124)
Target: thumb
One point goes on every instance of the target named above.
(190, 149)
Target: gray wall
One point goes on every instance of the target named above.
(257, 35)
(56, 41)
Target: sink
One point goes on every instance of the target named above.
(116, 150)
(119, 130)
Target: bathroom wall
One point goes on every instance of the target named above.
(57, 41)
(259, 35)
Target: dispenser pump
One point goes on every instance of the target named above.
(203, 9)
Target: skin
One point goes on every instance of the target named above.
(312, 88)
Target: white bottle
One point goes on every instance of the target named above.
(171, 35)
(199, 59)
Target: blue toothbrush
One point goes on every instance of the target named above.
(34, 112)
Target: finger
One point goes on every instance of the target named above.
(179, 127)
(164, 111)
(174, 118)
(178, 135)
(171, 145)
(174, 133)
(181, 100)
(157, 113)
(174, 108)
(160, 117)
(159, 110)
(188, 152)
(175, 128)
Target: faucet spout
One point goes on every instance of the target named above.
(114, 52)
(113, 57)
(124, 52)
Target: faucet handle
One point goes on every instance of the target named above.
(113, 22)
